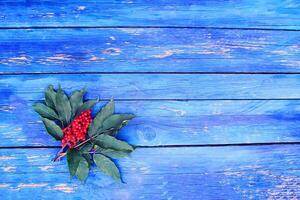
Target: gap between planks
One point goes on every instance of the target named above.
(143, 27)
(186, 100)
(171, 146)
(165, 73)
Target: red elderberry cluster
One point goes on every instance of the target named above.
(77, 130)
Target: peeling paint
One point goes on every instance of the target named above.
(32, 157)
(58, 58)
(238, 174)
(281, 52)
(94, 58)
(4, 185)
(45, 168)
(21, 139)
(290, 62)
(10, 133)
(81, 8)
(164, 54)
(64, 188)
(112, 51)
(7, 108)
(176, 111)
(288, 188)
(30, 185)
(18, 60)
(7, 158)
(9, 169)
(132, 31)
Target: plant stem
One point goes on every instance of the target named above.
(61, 154)
(89, 139)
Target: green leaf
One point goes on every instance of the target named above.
(86, 147)
(82, 171)
(105, 112)
(77, 164)
(53, 129)
(112, 153)
(76, 100)
(88, 158)
(85, 106)
(45, 111)
(109, 142)
(63, 107)
(73, 159)
(50, 97)
(107, 166)
(116, 121)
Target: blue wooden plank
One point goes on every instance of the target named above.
(171, 122)
(148, 50)
(238, 14)
(256, 172)
(155, 86)
(191, 122)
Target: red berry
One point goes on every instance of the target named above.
(77, 130)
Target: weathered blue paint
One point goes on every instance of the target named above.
(247, 14)
(148, 50)
(172, 122)
(171, 108)
(257, 172)
(156, 86)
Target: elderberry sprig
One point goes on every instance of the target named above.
(62, 153)
(69, 120)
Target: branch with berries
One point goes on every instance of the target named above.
(85, 140)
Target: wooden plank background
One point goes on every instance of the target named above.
(267, 14)
(148, 50)
(214, 85)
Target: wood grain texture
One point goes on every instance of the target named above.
(261, 172)
(155, 86)
(155, 58)
(171, 122)
(274, 14)
(148, 50)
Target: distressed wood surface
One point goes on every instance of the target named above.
(148, 50)
(172, 123)
(14, 88)
(194, 72)
(274, 14)
(255, 172)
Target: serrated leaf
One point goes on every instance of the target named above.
(53, 129)
(105, 112)
(45, 111)
(77, 164)
(86, 106)
(112, 153)
(50, 97)
(109, 142)
(116, 121)
(63, 107)
(76, 100)
(107, 166)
